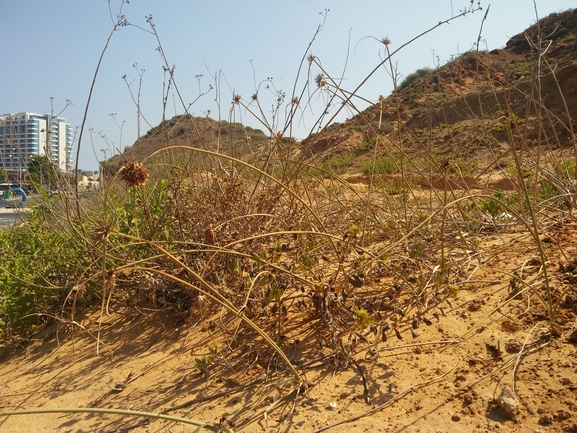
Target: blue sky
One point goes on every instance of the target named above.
(51, 49)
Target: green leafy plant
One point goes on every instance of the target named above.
(412, 78)
(35, 260)
(339, 163)
(381, 165)
(363, 319)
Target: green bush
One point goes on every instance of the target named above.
(338, 164)
(36, 263)
(411, 78)
(381, 165)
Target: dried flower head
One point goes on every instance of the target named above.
(134, 174)
(254, 97)
(102, 231)
(386, 41)
(77, 291)
(210, 234)
(311, 58)
(71, 328)
(320, 80)
(109, 281)
(236, 99)
(295, 101)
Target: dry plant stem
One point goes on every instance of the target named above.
(571, 131)
(518, 361)
(386, 59)
(211, 292)
(506, 364)
(384, 405)
(112, 411)
(428, 343)
(81, 133)
(102, 307)
(399, 122)
(247, 298)
(534, 229)
(443, 262)
(366, 395)
(222, 250)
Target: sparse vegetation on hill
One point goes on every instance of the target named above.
(428, 240)
(232, 138)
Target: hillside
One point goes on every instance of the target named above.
(459, 111)
(187, 130)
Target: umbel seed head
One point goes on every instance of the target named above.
(134, 174)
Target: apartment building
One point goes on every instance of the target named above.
(24, 135)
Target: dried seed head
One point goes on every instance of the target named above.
(71, 328)
(320, 80)
(295, 101)
(311, 58)
(254, 97)
(210, 234)
(102, 231)
(110, 281)
(386, 41)
(77, 291)
(134, 174)
(236, 99)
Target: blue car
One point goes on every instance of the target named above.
(15, 190)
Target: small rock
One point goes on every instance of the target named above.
(546, 419)
(456, 417)
(508, 402)
(475, 305)
(468, 399)
(513, 346)
(573, 337)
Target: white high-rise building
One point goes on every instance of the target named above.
(24, 135)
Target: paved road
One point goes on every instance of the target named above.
(8, 216)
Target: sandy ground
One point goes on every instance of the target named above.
(443, 376)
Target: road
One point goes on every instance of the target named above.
(8, 216)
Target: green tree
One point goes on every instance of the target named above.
(41, 171)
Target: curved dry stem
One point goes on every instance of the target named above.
(111, 411)
(210, 291)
